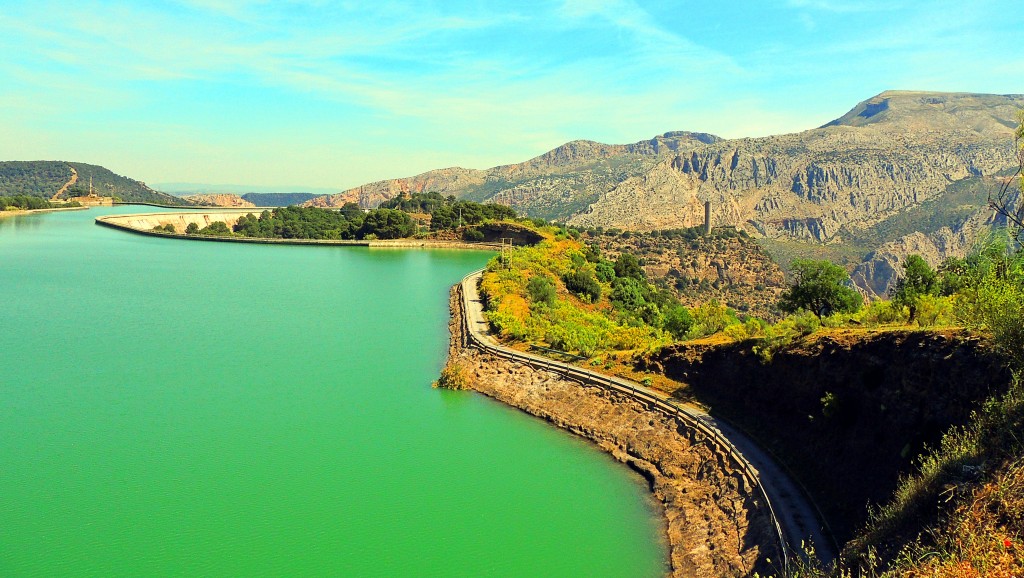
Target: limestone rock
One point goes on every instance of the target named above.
(219, 200)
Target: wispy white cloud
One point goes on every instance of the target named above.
(844, 7)
(459, 81)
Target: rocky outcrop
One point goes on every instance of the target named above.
(888, 153)
(447, 181)
(713, 524)
(877, 274)
(726, 266)
(219, 200)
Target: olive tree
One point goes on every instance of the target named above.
(918, 280)
(821, 287)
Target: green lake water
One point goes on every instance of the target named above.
(213, 409)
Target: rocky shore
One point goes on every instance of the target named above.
(34, 211)
(713, 523)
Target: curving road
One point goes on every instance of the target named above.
(795, 515)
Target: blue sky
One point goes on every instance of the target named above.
(335, 94)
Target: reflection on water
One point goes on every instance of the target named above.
(25, 222)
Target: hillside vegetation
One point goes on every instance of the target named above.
(45, 178)
(915, 367)
(726, 265)
(477, 223)
(26, 202)
(277, 199)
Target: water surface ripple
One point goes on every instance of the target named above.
(182, 408)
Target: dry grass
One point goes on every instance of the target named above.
(984, 536)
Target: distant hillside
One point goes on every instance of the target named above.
(554, 185)
(249, 199)
(218, 200)
(182, 189)
(46, 178)
(277, 199)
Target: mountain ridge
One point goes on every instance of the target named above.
(883, 157)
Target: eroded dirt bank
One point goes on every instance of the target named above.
(847, 410)
(713, 523)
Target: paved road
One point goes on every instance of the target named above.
(794, 512)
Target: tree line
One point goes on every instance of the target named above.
(349, 223)
(29, 202)
(448, 213)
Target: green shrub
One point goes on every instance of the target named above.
(917, 282)
(710, 318)
(507, 325)
(453, 376)
(605, 271)
(628, 293)
(573, 338)
(749, 329)
(881, 313)
(541, 290)
(933, 311)
(216, 229)
(821, 287)
(582, 283)
(628, 265)
(473, 235)
(677, 320)
(775, 338)
(806, 322)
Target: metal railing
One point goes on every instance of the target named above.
(636, 391)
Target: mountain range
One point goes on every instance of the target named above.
(902, 172)
(841, 190)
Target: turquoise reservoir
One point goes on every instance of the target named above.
(210, 409)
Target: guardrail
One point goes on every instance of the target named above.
(642, 394)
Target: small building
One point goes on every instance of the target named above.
(93, 200)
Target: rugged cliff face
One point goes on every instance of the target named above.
(847, 410)
(877, 273)
(219, 200)
(553, 185)
(888, 155)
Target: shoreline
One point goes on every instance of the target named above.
(125, 223)
(35, 211)
(713, 516)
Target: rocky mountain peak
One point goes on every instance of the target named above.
(921, 109)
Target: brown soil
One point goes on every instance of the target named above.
(67, 185)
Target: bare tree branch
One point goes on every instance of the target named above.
(1003, 200)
